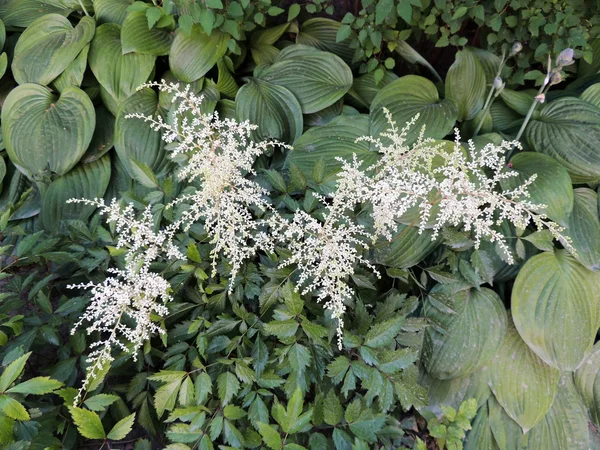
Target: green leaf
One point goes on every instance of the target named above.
(270, 436)
(228, 386)
(367, 426)
(382, 10)
(460, 12)
(293, 11)
(469, 328)
(119, 74)
(405, 98)
(84, 181)
(153, 15)
(121, 428)
(282, 328)
(518, 101)
(409, 246)
(587, 381)
(568, 129)
(12, 408)
(100, 402)
(551, 187)
(583, 228)
(12, 372)
(48, 46)
(272, 106)
(383, 333)
(465, 83)
(328, 35)
(317, 79)
(134, 139)
(137, 37)
(36, 386)
(555, 308)
(203, 387)
(165, 397)
(192, 56)
(523, 384)
(43, 132)
(73, 74)
(143, 174)
(111, 11)
(332, 408)
(88, 423)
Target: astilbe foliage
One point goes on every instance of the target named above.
(452, 187)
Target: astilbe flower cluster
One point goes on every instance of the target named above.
(122, 305)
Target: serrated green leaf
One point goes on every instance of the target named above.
(121, 428)
(270, 436)
(88, 423)
(383, 333)
(36, 386)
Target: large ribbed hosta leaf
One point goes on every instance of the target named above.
(555, 308)
(465, 84)
(120, 75)
(321, 33)
(134, 139)
(317, 79)
(469, 326)
(405, 98)
(85, 181)
(523, 384)
(44, 132)
(192, 56)
(364, 89)
(551, 187)
(583, 227)
(272, 107)
(407, 248)
(48, 46)
(137, 37)
(480, 436)
(568, 129)
(22, 13)
(457, 390)
(326, 143)
(587, 381)
(111, 11)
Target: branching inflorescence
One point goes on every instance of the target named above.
(448, 186)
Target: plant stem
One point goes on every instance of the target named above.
(488, 101)
(83, 8)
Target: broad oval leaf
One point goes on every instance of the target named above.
(465, 84)
(405, 98)
(102, 140)
(480, 436)
(73, 74)
(192, 56)
(551, 187)
(22, 13)
(273, 108)
(85, 181)
(321, 33)
(364, 89)
(120, 75)
(469, 327)
(568, 129)
(111, 11)
(587, 381)
(518, 101)
(331, 141)
(48, 46)
(137, 37)
(44, 132)
(555, 308)
(317, 79)
(583, 228)
(407, 248)
(134, 139)
(523, 384)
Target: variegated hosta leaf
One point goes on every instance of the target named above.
(522, 383)
(555, 308)
(468, 327)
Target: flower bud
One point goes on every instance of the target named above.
(541, 98)
(498, 83)
(516, 48)
(555, 78)
(565, 58)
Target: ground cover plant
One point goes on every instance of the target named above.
(248, 225)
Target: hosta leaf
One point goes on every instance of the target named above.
(111, 11)
(587, 380)
(192, 56)
(469, 328)
(317, 79)
(568, 129)
(551, 187)
(331, 141)
(22, 13)
(364, 88)
(405, 98)
(465, 84)
(84, 181)
(137, 37)
(102, 140)
(48, 46)
(523, 384)
(134, 139)
(321, 33)
(555, 308)
(73, 74)
(455, 391)
(407, 248)
(226, 83)
(120, 75)
(88, 423)
(273, 107)
(583, 227)
(44, 132)
(480, 437)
